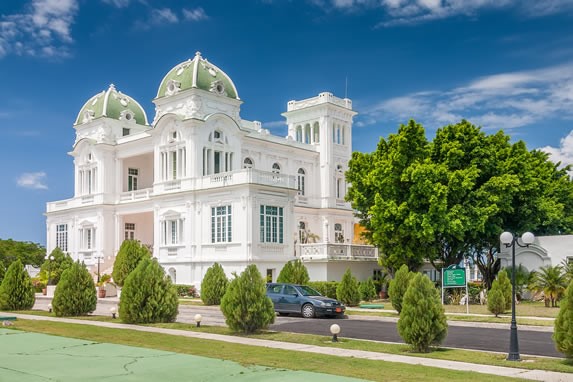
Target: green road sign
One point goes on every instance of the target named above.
(455, 277)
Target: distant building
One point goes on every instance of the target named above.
(546, 250)
(200, 185)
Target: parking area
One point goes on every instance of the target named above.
(33, 357)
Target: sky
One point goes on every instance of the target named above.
(501, 64)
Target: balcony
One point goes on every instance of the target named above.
(246, 176)
(137, 195)
(337, 252)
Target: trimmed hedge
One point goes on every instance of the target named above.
(326, 288)
(186, 290)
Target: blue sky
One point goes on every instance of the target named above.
(502, 64)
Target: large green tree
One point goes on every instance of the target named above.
(27, 252)
(443, 200)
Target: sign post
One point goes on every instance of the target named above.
(455, 277)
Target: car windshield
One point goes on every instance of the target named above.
(308, 291)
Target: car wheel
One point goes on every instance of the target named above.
(308, 311)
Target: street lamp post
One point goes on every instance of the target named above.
(510, 240)
(98, 260)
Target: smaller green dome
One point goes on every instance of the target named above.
(112, 103)
(197, 73)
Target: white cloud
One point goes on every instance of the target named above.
(117, 3)
(500, 101)
(563, 153)
(196, 14)
(410, 12)
(163, 15)
(32, 180)
(43, 29)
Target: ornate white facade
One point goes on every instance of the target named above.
(201, 185)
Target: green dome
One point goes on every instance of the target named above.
(114, 104)
(197, 73)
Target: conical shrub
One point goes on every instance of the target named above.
(399, 286)
(148, 296)
(496, 302)
(214, 285)
(563, 331)
(245, 305)
(76, 293)
(128, 257)
(294, 272)
(367, 290)
(286, 274)
(422, 321)
(16, 290)
(347, 290)
(505, 287)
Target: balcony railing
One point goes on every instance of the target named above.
(242, 176)
(326, 251)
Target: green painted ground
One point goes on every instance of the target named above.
(32, 357)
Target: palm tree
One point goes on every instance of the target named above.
(522, 279)
(552, 281)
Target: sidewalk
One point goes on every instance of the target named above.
(536, 375)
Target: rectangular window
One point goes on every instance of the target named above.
(271, 221)
(62, 237)
(172, 231)
(125, 131)
(132, 174)
(87, 238)
(221, 231)
(129, 231)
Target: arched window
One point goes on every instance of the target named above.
(315, 133)
(300, 181)
(173, 157)
(340, 192)
(307, 133)
(248, 163)
(338, 233)
(302, 237)
(173, 275)
(217, 155)
(276, 168)
(298, 133)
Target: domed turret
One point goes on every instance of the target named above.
(197, 73)
(114, 104)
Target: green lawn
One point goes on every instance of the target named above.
(245, 354)
(550, 364)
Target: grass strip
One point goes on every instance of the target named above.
(248, 355)
(478, 357)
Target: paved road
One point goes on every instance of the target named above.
(378, 329)
(479, 338)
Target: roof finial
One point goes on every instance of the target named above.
(111, 86)
(197, 54)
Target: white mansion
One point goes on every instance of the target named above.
(200, 185)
